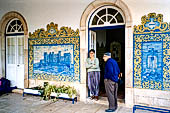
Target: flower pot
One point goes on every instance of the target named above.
(64, 95)
(31, 91)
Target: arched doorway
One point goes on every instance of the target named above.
(14, 49)
(106, 29)
(15, 53)
(128, 35)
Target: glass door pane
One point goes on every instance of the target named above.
(11, 50)
(20, 49)
(92, 40)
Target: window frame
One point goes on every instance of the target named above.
(107, 22)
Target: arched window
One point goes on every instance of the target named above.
(107, 16)
(14, 26)
(15, 53)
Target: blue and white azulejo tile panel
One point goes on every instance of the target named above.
(151, 59)
(54, 54)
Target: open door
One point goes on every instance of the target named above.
(92, 41)
(92, 45)
(15, 53)
(15, 60)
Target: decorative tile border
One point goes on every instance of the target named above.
(151, 57)
(55, 38)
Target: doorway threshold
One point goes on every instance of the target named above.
(103, 101)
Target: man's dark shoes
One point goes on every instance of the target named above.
(110, 110)
(92, 97)
(96, 98)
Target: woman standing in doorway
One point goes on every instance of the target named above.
(93, 69)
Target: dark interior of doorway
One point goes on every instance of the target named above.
(111, 40)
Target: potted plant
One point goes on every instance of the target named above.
(62, 91)
(66, 91)
(48, 91)
(34, 91)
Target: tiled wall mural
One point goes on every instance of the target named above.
(151, 58)
(54, 54)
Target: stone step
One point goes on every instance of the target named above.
(20, 91)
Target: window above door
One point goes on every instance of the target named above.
(14, 26)
(107, 16)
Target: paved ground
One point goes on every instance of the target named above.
(15, 103)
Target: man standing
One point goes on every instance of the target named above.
(111, 81)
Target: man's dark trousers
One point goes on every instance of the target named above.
(111, 91)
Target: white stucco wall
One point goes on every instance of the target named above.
(39, 13)
(140, 8)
